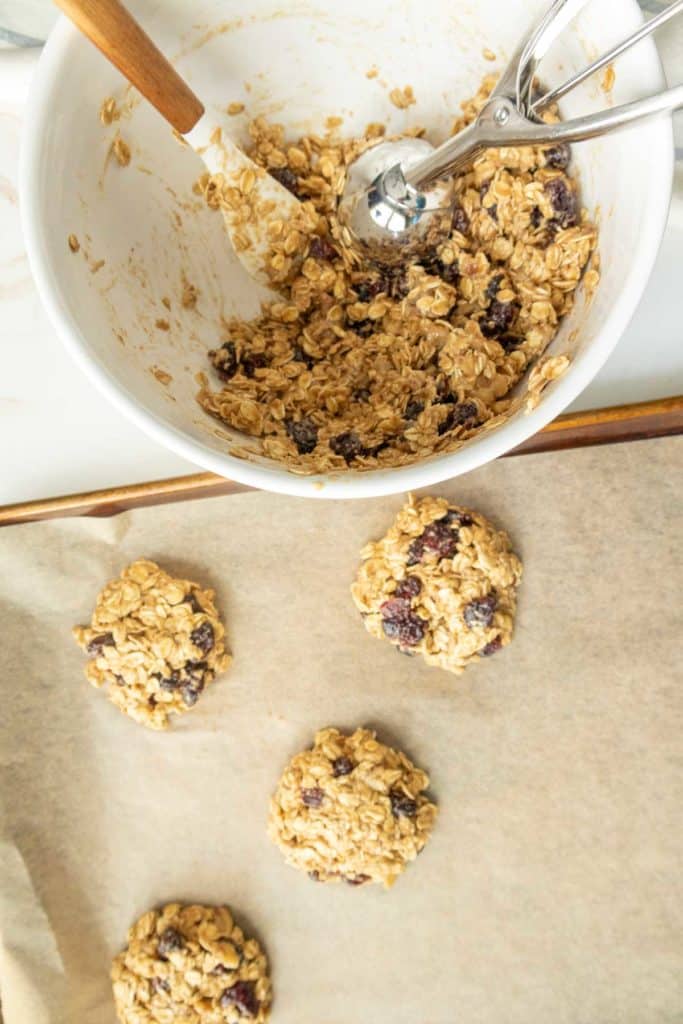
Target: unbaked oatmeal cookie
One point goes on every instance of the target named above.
(190, 965)
(440, 583)
(357, 366)
(155, 643)
(351, 809)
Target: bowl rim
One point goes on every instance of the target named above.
(372, 483)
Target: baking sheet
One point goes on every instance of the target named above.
(551, 888)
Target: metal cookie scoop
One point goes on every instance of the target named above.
(397, 201)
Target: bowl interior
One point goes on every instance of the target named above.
(143, 234)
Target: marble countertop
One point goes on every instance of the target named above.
(58, 435)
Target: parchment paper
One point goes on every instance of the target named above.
(551, 888)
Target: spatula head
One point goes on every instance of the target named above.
(250, 199)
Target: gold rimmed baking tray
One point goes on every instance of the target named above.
(636, 421)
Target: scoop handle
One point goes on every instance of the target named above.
(115, 32)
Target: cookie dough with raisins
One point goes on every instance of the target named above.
(441, 583)
(351, 809)
(155, 643)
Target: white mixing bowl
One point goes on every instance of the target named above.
(301, 63)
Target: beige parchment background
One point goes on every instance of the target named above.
(551, 888)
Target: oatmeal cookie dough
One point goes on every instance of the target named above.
(155, 643)
(351, 809)
(190, 964)
(357, 366)
(440, 583)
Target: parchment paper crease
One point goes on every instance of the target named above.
(551, 888)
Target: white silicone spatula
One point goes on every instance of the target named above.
(120, 38)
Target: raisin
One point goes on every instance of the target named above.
(432, 263)
(225, 361)
(563, 199)
(437, 538)
(312, 797)
(558, 156)
(450, 272)
(492, 211)
(195, 670)
(194, 604)
(400, 623)
(408, 631)
(299, 356)
(367, 290)
(190, 693)
(171, 682)
(253, 362)
(402, 805)
(363, 328)
(286, 178)
(460, 221)
(203, 637)
(493, 287)
(509, 342)
(322, 249)
(342, 766)
(241, 995)
(348, 445)
(535, 217)
(483, 189)
(413, 409)
(304, 434)
(491, 647)
(480, 612)
(408, 587)
(160, 985)
(169, 940)
(464, 414)
(356, 879)
(394, 283)
(459, 518)
(498, 319)
(98, 642)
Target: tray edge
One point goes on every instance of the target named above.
(610, 425)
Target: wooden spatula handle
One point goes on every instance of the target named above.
(117, 34)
